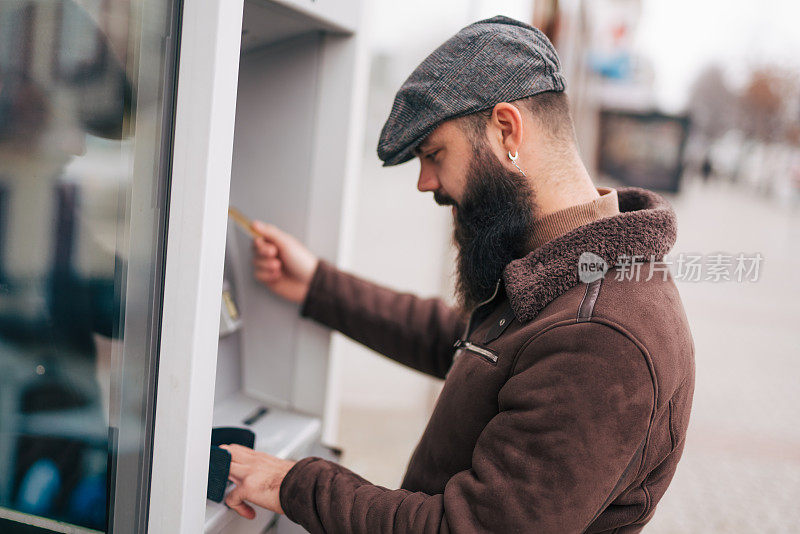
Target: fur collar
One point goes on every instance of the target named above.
(646, 226)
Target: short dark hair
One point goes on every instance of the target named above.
(550, 109)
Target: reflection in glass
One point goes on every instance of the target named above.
(82, 181)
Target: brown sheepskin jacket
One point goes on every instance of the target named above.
(565, 404)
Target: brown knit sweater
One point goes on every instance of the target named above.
(560, 222)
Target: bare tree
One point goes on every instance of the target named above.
(712, 105)
(766, 104)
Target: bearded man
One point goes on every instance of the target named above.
(568, 381)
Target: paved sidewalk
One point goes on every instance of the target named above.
(741, 467)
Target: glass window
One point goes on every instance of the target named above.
(86, 91)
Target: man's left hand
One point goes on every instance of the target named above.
(258, 477)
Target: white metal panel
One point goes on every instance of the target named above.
(267, 23)
(353, 56)
(334, 173)
(338, 15)
(203, 139)
(298, 132)
(271, 181)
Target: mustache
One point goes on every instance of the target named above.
(442, 199)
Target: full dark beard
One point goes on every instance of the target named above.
(492, 226)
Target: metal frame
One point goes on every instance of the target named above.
(200, 188)
(201, 164)
(129, 476)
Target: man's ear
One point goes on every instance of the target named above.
(508, 132)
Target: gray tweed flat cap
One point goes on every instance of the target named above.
(493, 60)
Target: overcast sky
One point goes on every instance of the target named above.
(679, 36)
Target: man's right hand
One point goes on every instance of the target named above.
(282, 263)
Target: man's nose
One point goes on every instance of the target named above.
(427, 180)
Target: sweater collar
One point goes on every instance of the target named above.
(645, 226)
(560, 222)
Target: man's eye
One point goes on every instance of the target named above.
(432, 155)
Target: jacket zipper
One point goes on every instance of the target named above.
(468, 330)
(468, 345)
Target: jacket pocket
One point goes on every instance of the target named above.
(484, 353)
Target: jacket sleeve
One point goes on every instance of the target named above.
(414, 331)
(572, 421)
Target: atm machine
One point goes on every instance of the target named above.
(278, 138)
(130, 322)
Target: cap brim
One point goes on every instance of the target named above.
(401, 157)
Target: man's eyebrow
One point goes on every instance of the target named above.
(422, 146)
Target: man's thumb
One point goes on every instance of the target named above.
(269, 231)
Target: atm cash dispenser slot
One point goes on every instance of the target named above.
(282, 433)
(219, 463)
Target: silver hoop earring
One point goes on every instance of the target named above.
(514, 161)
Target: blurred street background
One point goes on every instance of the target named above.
(699, 100)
